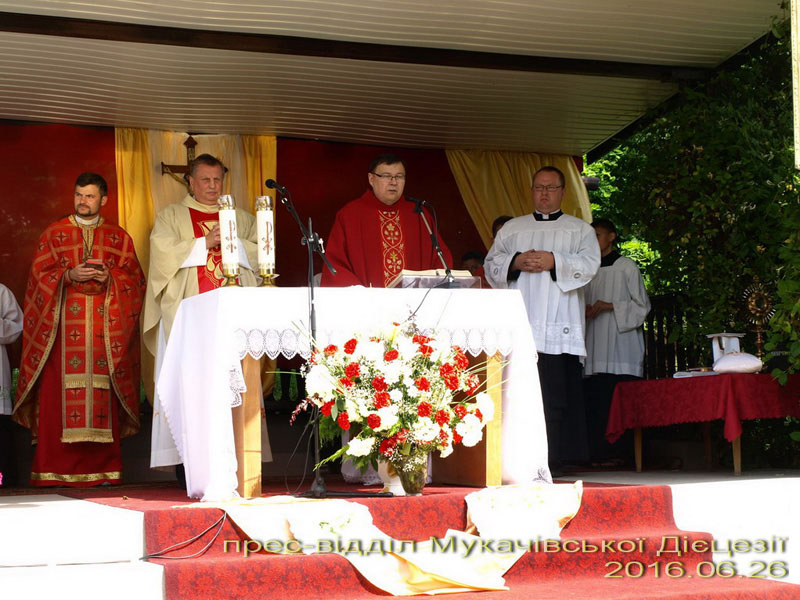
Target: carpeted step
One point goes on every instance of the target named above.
(609, 550)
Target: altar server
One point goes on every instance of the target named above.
(10, 329)
(550, 256)
(616, 307)
(78, 388)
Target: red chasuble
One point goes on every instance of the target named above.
(371, 243)
(78, 387)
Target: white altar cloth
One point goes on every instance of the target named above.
(200, 374)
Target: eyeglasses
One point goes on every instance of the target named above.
(388, 177)
(549, 188)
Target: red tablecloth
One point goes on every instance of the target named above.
(732, 398)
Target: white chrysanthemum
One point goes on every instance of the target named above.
(441, 350)
(388, 417)
(319, 382)
(470, 429)
(424, 430)
(396, 395)
(406, 348)
(486, 406)
(358, 447)
(391, 372)
(412, 390)
(371, 351)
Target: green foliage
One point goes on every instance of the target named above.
(708, 193)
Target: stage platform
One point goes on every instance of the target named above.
(88, 543)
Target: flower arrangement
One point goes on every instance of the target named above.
(402, 395)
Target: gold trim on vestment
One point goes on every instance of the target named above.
(87, 434)
(76, 478)
(79, 381)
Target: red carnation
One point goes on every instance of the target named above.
(479, 414)
(420, 339)
(442, 417)
(330, 350)
(350, 346)
(460, 410)
(422, 384)
(379, 384)
(387, 447)
(443, 437)
(343, 420)
(325, 409)
(401, 436)
(374, 421)
(456, 438)
(353, 370)
(381, 400)
(461, 360)
(473, 384)
(391, 355)
(447, 369)
(346, 382)
(425, 350)
(451, 381)
(424, 409)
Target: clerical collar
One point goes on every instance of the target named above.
(609, 259)
(93, 221)
(543, 217)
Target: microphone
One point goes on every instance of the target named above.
(418, 203)
(274, 185)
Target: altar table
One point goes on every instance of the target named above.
(201, 374)
(731, 397)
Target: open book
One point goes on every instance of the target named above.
(432, 278)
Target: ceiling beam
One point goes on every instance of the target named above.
(301, 46)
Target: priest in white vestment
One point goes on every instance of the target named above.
(185, 260)
(616, 307)
(550, 256)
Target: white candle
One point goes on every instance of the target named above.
(229, 238)
(265, 229)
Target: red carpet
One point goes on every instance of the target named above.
(610, 514)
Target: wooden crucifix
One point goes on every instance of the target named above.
(180, 172)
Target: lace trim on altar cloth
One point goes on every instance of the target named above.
(291, 342)
(236, 386)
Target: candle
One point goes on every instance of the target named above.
(229, 238)
(265, 229)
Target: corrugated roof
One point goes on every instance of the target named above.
(413, 98)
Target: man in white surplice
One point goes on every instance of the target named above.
(550, 257)
(616, 307)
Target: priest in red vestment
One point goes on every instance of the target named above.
(378, 235)
(78, 388)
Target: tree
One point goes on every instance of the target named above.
(709, 185)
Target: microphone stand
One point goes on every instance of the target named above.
(314, 243)
(450, 281)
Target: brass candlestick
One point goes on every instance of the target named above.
(230, 276)
(268, 276)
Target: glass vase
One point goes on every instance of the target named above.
(413, 471)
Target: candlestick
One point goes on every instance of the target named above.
(265, 230)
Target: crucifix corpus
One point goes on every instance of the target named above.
(180, 172)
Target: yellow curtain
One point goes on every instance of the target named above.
(260, 164)
(143, 191)
(494, 183)
(132, 153)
